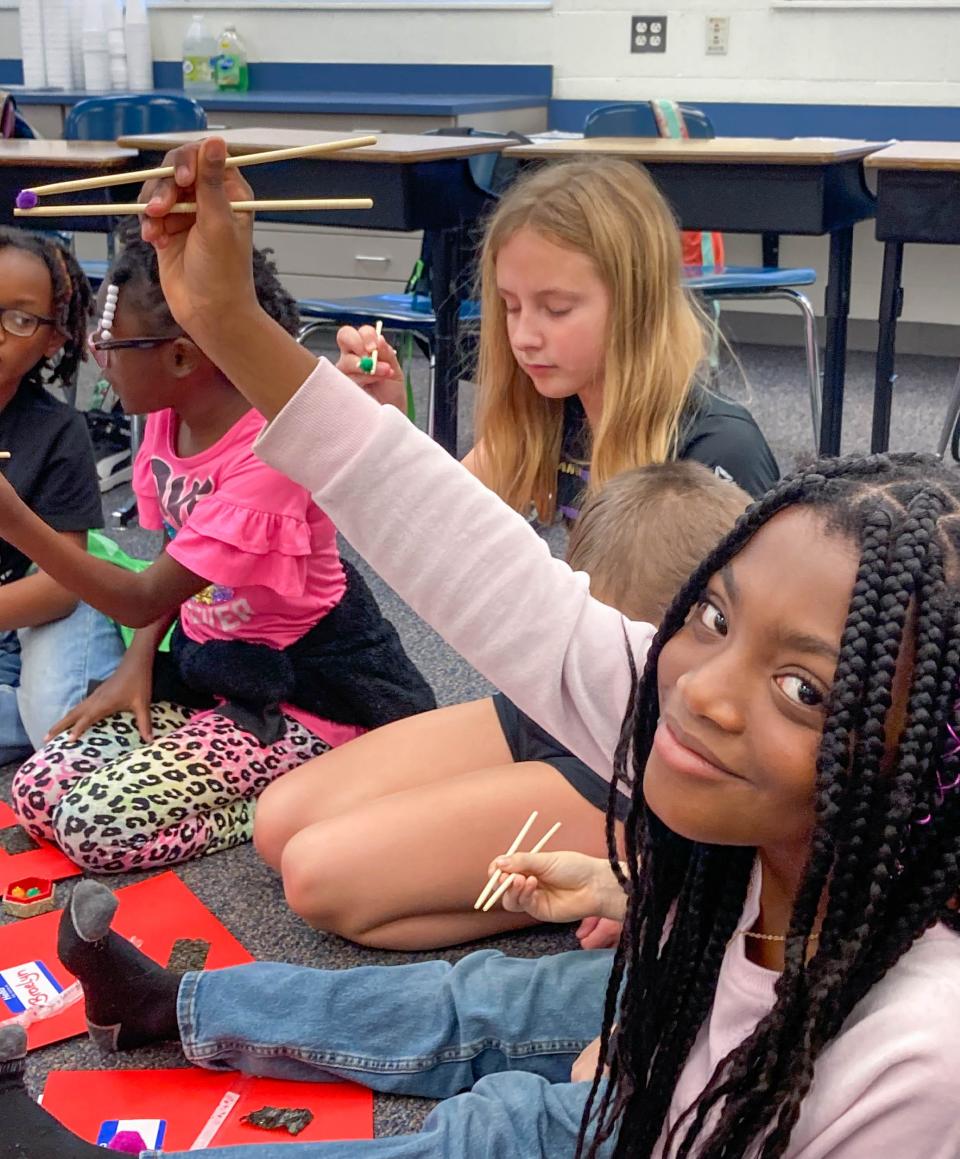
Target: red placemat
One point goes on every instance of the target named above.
(183, 1100)
(156, 913)
(44, 861)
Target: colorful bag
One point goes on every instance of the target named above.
(699, 249)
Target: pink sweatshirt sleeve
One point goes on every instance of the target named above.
(471, 567)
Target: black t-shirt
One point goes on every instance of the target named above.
(717, 432)
(51, 467)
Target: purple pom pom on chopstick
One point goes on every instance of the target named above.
(27, 199)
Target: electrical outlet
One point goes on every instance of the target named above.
(648, 34)
(718, 35)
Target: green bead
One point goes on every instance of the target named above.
(366, 365)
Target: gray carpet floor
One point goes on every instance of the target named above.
(247, 896)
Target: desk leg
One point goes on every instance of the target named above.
(444, 286)
(891, 303)
(835, 355)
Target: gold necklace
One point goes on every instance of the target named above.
(775, 937)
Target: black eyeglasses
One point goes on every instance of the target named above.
(21, 323)
(100, 348)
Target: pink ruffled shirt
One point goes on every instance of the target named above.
(269, 552)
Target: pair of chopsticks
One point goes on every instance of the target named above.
(26, 205)
(488, 901)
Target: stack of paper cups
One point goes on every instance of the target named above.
(31, 44)
(56, 44)
(96, 50)
(139, 53)
(117, 45)
(75, 10)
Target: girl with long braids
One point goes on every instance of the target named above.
(788, 982)
(51, 645)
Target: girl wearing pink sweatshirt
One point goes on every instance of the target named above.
(788, 981)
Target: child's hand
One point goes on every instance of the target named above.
(599, 934)
(585, 1066)
(129, 689)
(386, 384)
(560, 887)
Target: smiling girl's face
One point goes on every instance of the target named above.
(742, 689)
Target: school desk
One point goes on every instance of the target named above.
(34, 162)
(417, 183)
(806, 186)
(918, 200)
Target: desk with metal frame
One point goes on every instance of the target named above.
(918, 200)
(806, 186)
(417, 183)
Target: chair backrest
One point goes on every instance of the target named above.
(107, 118)
(697, 122)
(637, 119)
(630, 119)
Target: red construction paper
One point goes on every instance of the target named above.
(47, 861)
(82, 1100)
(156, 912)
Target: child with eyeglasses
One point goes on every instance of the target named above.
(51, 645)
(279, 650)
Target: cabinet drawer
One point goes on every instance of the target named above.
(341, 253)
(301, 286)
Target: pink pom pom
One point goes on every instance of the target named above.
(27, 199)
(130, 1142)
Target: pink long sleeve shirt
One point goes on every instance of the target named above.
(886, 1087)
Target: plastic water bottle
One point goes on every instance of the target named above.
(233, 75)
(199, 58)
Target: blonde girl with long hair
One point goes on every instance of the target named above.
(590, 350)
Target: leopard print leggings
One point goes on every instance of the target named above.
(114, 804)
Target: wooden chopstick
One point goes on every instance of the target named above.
(495, 876)
(265, 158)
(505, 885)
(126, 208)
(376, 350)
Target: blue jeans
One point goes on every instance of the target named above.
(45, 671)
(505, 1030)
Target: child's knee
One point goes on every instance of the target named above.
(91, 834)
(35, 792)
(320, 886)
(274, 823)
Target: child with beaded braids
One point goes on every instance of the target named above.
(788, 982)
(51, 645)
(279, 651)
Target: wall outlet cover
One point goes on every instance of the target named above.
(648, 34)
(718, 35)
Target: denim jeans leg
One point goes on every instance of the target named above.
(505, 1116)
(429, 1028)
(58, 662)
(509, 1028)
(14, 742)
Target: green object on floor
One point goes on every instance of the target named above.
(102, 546)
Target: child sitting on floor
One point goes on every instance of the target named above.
(51, 645)
(279, 652)
(379, 805)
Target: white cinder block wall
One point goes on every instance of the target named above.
(865, 52)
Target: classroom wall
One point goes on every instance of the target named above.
(780, 51)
